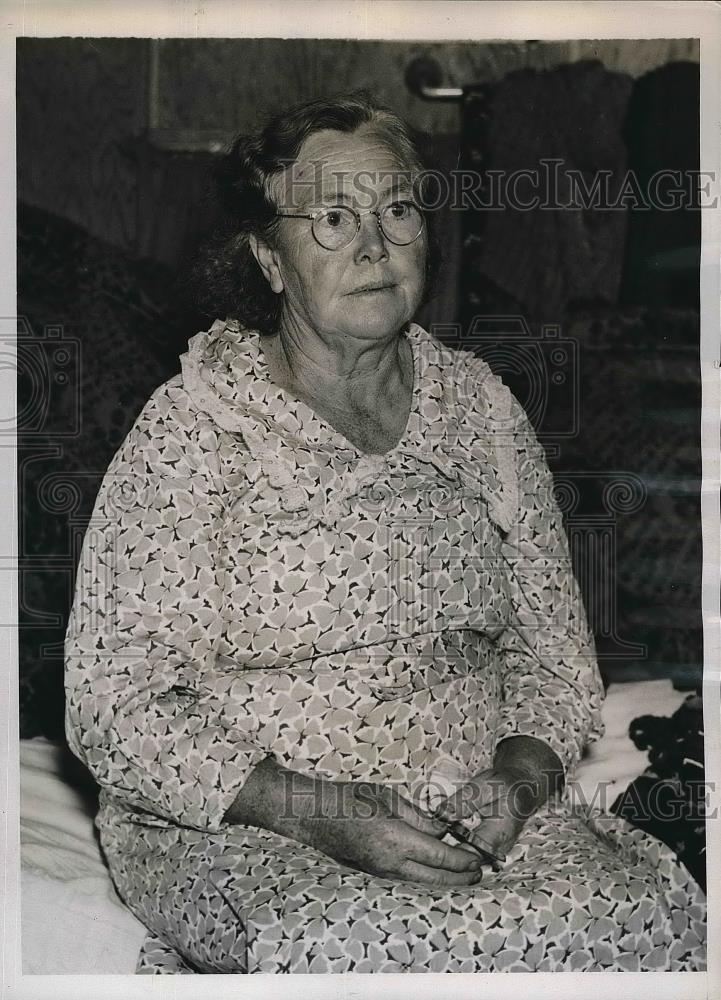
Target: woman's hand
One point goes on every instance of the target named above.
(366, 826)
(501, 798)
(525, 772)
(379, 831)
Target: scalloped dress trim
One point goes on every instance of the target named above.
(488, 463)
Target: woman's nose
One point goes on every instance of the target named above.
(370, 241)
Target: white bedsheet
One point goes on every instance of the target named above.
(612, 763)
(72, 919)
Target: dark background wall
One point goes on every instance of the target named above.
(114, 141)
(115, 134)
(82, 102)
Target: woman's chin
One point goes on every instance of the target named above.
(379, 325)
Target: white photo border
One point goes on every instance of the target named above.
(403, 20)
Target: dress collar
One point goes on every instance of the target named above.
(226, 375)
(225, 371)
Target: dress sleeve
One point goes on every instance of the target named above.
(148, 711)
(552, 688)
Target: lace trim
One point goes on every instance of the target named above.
(490, 463)
(504, 502)
(200, 392)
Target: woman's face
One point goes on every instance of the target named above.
(327, 290)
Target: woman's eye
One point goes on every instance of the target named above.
(338, 218)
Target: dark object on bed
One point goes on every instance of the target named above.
(668, 799)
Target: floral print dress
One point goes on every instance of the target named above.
(252, 584)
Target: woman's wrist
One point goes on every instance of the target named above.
(532, 768)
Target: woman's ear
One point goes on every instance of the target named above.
(267, 261)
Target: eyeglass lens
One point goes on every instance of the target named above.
(335, 228)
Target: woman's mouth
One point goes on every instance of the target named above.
(374, 287)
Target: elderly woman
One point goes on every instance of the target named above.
(327, 659)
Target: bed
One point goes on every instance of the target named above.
(72, 919)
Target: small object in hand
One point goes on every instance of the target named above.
(459, 832)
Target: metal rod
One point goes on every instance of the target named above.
(424, 78)
(441, 93)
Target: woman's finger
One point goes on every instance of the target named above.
(423, 822)
(470, 800)
(498, 835)
(435, 854)
(414, 871)
(453, 808)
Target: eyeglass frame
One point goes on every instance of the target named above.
(358, 215)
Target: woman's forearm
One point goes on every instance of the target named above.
(533, 763)
(284, 801)
(266, 797)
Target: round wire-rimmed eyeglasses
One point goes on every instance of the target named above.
(335, 227)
